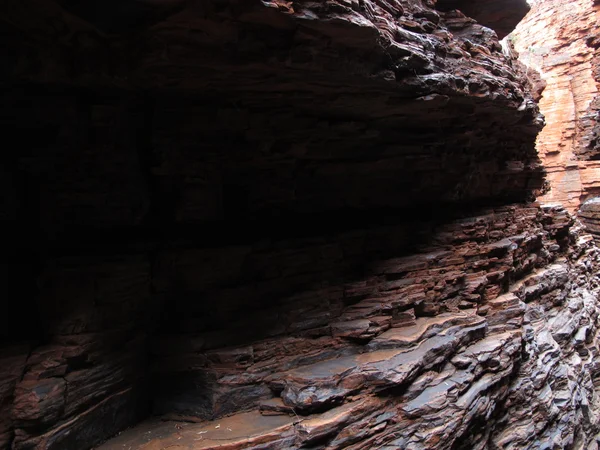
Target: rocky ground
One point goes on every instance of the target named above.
(509, 362)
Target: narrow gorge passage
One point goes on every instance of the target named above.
(256, 224)
(558, 42)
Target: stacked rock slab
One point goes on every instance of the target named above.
(508, 361)
(282, 225)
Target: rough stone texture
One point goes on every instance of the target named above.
(493, 320)
(559, 40)
(238, 87)
(13, 364)
(590, 216)
(502, 16)
(504, 356)
(303, 224)
(88, 380)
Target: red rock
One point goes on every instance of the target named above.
(551, 41)
(11, 370)
(221, 208)
(39, 402)
(503, 17)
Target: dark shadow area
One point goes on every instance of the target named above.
(502, 17)
(156, 237)
(125, 17)
(207, 199)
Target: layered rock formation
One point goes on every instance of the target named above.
(486, 339)
(559, 40)
(283, 225)
(502, 16)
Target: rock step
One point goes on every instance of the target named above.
(252, 430)
(321, 386)
(233, 432)
(462, 386)
(541, 281)
(423, 328)
(225, 382)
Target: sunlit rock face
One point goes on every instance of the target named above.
(281, 225)
(559, 40)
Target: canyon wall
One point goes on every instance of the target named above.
(559, 40)
(484, 338)
(284, 225)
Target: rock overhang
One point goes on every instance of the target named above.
(237, 113)
(500, 15)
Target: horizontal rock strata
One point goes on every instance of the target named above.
(502, 16)
(559, 40)
(228, 112)
(504, 357)
(276, 224)
(495, 318)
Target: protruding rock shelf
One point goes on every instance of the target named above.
(279, 225)
(501, 16)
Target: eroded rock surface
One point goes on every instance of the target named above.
(559, 40)
(282, 225)
(222, 112)
(501, 16)
(510, 363)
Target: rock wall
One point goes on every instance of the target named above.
(487, 338)
(558, 39)
(324, 341)
(502, 17)
(283, 225)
